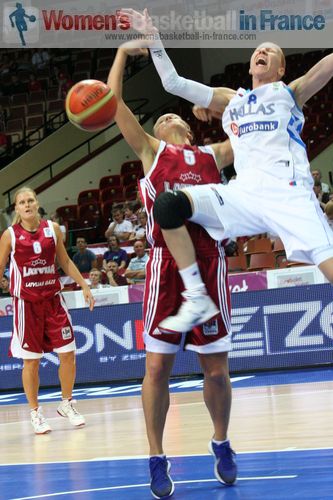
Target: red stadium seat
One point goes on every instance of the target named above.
(258, 245)
(88, 195)
(237, 263)
(110, 181)
(260, 261)
(112, 194)
(91, 211)
(130, 179)
(129, 167)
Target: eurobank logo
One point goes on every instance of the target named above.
(20, 24)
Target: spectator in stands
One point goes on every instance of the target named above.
(136, 270)
(322, 197)
(42, 212)
(40, 58)
(115, 254)
(316, 174)
(84, 259)
(23, 62)
(139, 232)
(95, 278)
(113, 275)
(129, 208)
(5, 65)
(65, 83)
(329, 213)
(16, 86)
(207, 141)
(55, 217)
(119, 227)
(34, 85)
(4, 286)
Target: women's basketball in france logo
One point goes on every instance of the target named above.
(20, 24)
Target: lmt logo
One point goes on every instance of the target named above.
(20, 24)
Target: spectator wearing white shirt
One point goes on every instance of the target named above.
(119, 227)
(139, 232)
(316, 174)
(136, 270)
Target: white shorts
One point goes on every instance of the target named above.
(258, 203)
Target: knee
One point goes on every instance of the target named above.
(31, 365)
(171, 209)
(217, 376)
(67, 357)
(157, 372)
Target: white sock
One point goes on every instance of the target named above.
(220, 442)
(160, 456)
(191, 277)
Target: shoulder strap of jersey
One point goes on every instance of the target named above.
(51, 226)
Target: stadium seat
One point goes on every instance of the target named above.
(34, 129)
(259, 261)
(87, 196)
(237, 263)
(258, 245)
(112, 194)
(130, 179)
(129, 167)
(91, 211)
(130, 192)
(109, 181)
(68, 213)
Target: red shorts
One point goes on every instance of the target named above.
(40, 327)
(163, 298)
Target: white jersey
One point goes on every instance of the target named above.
(264, 127)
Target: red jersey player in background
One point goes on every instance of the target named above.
(170, 161)
(41, 321)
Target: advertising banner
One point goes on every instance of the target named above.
(186, 24)
(281, 328)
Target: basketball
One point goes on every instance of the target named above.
(32, 19)
(91, 105)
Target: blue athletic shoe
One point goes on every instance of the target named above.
(225, 467)
(161, 484)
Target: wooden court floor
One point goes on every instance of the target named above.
(290, 416)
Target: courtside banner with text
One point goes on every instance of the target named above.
(280, 328)
(185, 24)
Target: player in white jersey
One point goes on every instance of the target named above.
(273, 189)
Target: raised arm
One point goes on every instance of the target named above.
(314, 80)
(215, 99)
(142, 143)
(223, 153)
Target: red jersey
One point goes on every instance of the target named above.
(33, 273)
(176, 167)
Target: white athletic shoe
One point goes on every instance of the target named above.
(195, 310)
(66, 409)
(39, 422)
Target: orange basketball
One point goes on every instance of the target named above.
(91, 105)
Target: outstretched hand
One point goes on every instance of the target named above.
(141, 22)
(205, 114)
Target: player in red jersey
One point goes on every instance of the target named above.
(170, 161)
(41, 320)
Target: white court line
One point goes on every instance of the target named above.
(61, 493)
(145, 457)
